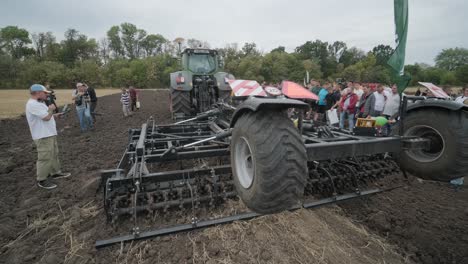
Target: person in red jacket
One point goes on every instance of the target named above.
(347, 108)
(133, 98)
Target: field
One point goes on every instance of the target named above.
(424, 222)
(15, 100)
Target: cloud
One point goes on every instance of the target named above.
(434, 24)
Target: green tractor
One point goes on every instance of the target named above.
(199, 85)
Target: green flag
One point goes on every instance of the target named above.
(397, 60)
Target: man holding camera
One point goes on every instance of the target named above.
(82, 101)
(92, 101)
(44, 133)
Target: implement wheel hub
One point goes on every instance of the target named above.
(244, 163)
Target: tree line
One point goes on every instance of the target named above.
(128, 55)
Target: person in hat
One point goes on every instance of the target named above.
(92, 101)
(41, 121)
(82, 102)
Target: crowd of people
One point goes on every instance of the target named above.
(355, 100)
(41, 111)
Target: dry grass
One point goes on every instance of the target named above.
(14, 101)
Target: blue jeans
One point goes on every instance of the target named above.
(350, 120)
(84, 115)
(387, 128)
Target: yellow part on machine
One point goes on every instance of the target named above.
(364, 122)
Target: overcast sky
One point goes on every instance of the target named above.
(434, 24)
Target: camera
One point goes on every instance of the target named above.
(82, 99)
(50, 100)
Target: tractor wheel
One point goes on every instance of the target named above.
(180, 102)
(269, 161)
(447, 157)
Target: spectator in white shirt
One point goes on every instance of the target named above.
(375, 104)
(392, 103)
(464, 97)
(392, 106)
(358, 89)
(44, 133)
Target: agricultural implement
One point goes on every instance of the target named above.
(249, 148)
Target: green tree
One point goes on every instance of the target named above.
(434, 75)
(104, 50)
(88, 71)
(377, 73)
(462, 74)
(327, 56)
(367, 70)
(352, 73)
(317, 50)
(337, 49)
(45, 46)
(77, 47)
(313, 69)
(111, 71)
(15, 41)
(123, 77)
(351, 56)
(416, 72)
(250, 49)
(153, 44)
(230, 55)
(52, 72)
(382, 53)
(250, 68)
(115, 43)
(278, 49)
(10, 68)
(451, 59)
(448, 78)
(131, 39)
(275, 66)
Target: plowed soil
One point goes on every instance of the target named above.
(425, 222)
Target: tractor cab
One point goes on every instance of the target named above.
(200, 61)
(199, 85)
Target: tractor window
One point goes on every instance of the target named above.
(201, 63)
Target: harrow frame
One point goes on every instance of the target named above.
(205, 136)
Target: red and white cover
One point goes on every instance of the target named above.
(436, 91)
(295, 91)
(246, 88)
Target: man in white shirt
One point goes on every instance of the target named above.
(464, 97)
(358, 90)
(375, 104)
(44, 133)
(392, 104)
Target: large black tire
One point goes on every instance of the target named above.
(180, 103)
(269, 161)
(447, 157)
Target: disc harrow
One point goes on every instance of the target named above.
(185, 167)
(211, 187)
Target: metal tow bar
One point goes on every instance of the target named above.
(229, 219)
